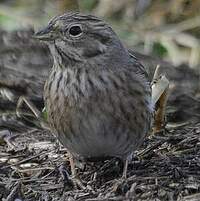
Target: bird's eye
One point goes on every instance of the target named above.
(75, 30)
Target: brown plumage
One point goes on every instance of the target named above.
(97, 96)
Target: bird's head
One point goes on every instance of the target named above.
(78, 37)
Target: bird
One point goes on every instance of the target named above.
(97, 95)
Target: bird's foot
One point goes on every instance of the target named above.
(78, 184)
(73, 181)
(120, 185)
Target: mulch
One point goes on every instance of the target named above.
(34, 166)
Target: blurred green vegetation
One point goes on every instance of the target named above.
(87, 5)
(7, 22)
(159, 50)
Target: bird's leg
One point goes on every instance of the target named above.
(72, 166)
(124, 174)
(76, 180)
(125, 168)
(123, 179)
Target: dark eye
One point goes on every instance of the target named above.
(75, 30)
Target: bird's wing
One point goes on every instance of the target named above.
(139, 67)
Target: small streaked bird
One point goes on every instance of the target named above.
(97, 96)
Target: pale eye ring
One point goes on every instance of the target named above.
(75, 30)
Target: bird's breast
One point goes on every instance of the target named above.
(96, 115)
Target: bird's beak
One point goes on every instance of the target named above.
(44, 34)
